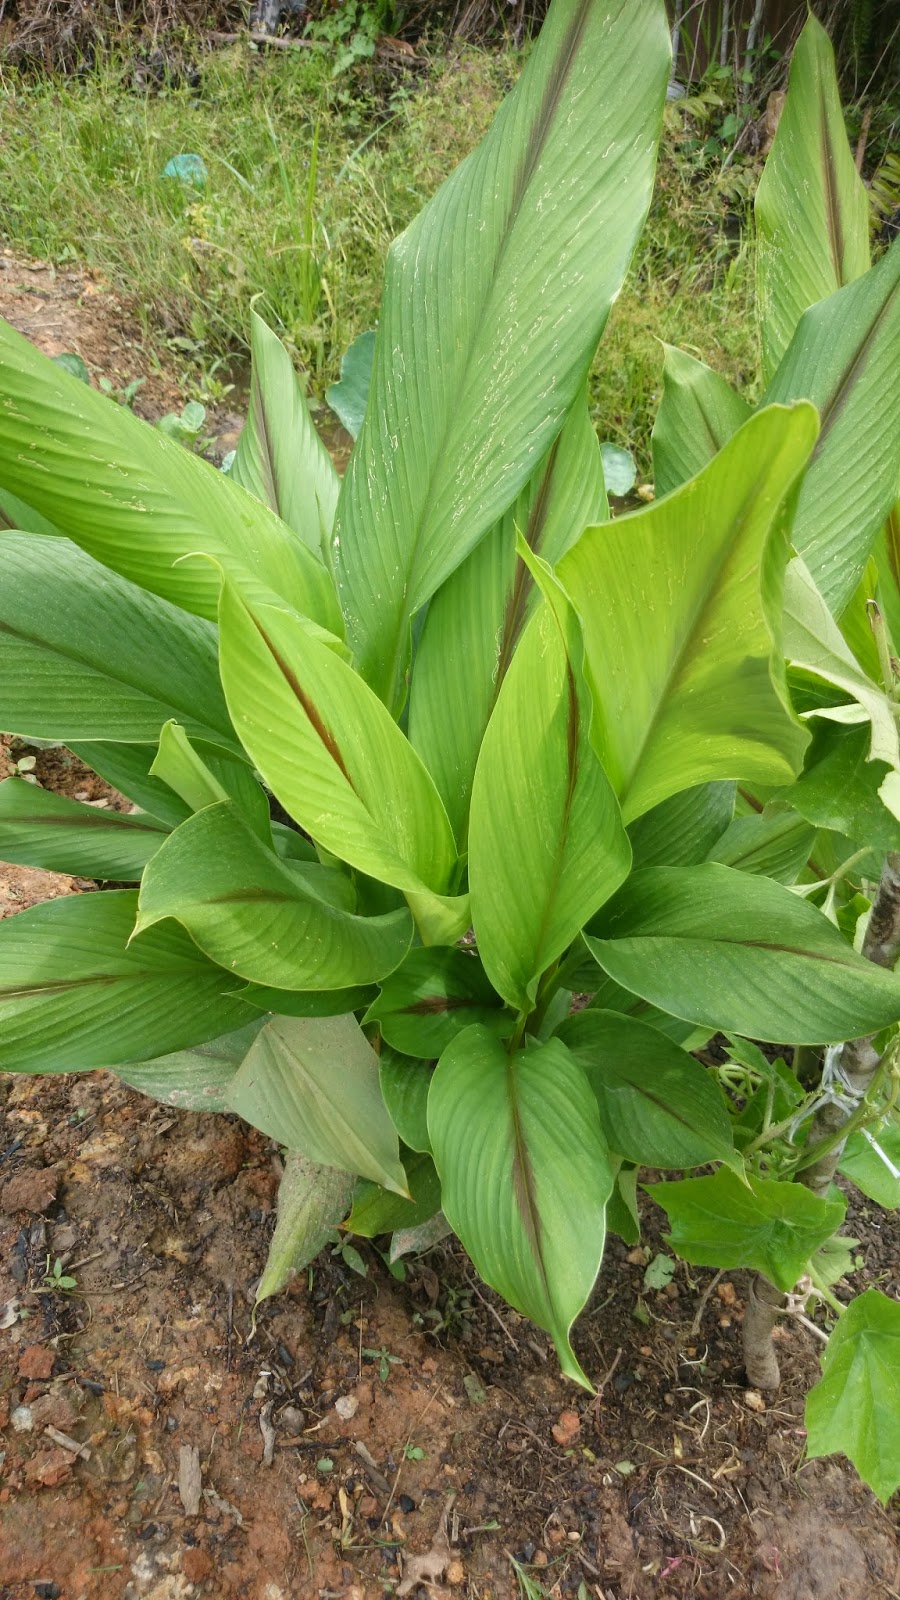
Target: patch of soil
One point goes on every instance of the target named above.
(152, 1447)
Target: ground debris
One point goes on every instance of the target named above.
(190, 1480)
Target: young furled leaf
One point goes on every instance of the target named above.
(312, 1201)
(855, 1407)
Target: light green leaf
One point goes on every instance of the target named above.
(431, 997)
(330, 751)
(546, 844)
(757, 1223)
(312, 1084)
(871, 1160)
(775, 843)
(75, 993)
(681, 609)
(376, 1210)
(280, 458)
(697, 416)
(855, 1407)
(679, 831)
(813, 640)
(493, 303)
(14, 513)
(193, 1080)
(85, 655)
(137, 500)
(288, 925)
(525, 1175)
(845, 358)
(658, 1106)
(312, 1201)
(40, 829)
(127, 768)
(404, 1088)
(741, 953)
(205, 776)
(839, 787)
(476, 619)
(348, 398)
(619, 470)
(812, 209)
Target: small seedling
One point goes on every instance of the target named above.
(413, 1452)
(385, 1361)
(57, 1280)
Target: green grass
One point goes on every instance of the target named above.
(309, 180)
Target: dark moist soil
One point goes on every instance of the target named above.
(395, 1410)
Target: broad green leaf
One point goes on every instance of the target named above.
(494, 300)
(546, 841)
(839, 787)
(308, 1002)
(697, 416)
(525, 1175)
(288, 925)
(193, 1080)
(348, 398)
(845, 358)
(330, 751)
(475, 621)
(813, 641)
(312, 1201)
(681, 609)
(431, 997)
(127, 768)
(812, 209)
(376, 1210)
(85, 655)
(404, 1088)
(871, 1160)
(204, 776)
(280, 458)
(757, 1223)
(137, 500)
(77, 991)
(312, 1084)
(776, 843)
(679, 831)
(855, 1407)
(729, 950)
(658, 1106)
(40, 829)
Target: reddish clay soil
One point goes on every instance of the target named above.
(153, 1448)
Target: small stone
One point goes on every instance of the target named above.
(155, 1366)
(22, 1419)
(49, 1468)
(292, 1419)
(456, 1573)
(36, 1362)
(566, 1429)
(407, 1503)
(541, 1558)
(47, 1591)
(754, 1401)
(54, 1411)
(346, 1406)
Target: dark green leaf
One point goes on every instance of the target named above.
(431, 997)
(856, 1406)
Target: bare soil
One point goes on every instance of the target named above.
(367, 1423)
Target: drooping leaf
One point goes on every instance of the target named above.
(839, 787)
(697, 416)
(428, 1000)
(845, 358)
(681, 609)
(812, 209)
(330, 751)
(776, 843)
(280, 458)
(729, 950)
(404, 1088)
(40, 829)
(75, 993)
(658, 1106)
(312, 1201)
(546, 841)
(288, 925)
(493, 303)
(137, 500)
(854, 1408)
(127, 768)
(312, 1084)
(85, 655)
(871, 1160)
(202, 775)
(348, 398)
(679, 831)
(476, 619)
(757, 1223)
(525, 1175)
(376, 1210)
(193, 1080)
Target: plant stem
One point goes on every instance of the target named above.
(858, 1064)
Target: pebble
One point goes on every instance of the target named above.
(567, 1428)
(346, 1406)
(22, 1419)
(407, 1503)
